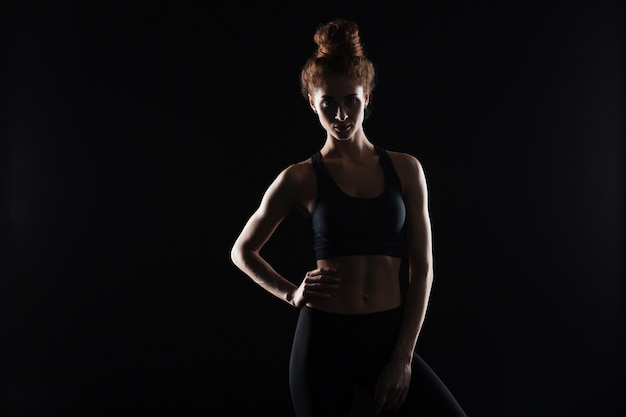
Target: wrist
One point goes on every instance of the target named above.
(402, 356)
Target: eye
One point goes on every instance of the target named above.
(353, 101)
(328, 105)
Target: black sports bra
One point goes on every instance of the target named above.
(345, 225)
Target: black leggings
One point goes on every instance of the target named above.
(334, 354)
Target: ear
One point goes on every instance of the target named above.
(312, 103)
(367, 99)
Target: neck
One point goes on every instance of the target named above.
(350, 148)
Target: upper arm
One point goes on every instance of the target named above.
(419, 233)
(279, 199)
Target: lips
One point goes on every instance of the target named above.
(342, 128)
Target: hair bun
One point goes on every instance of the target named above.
(339, 53)
(339, 37)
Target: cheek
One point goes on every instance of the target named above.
(355, 107)
(326, 114)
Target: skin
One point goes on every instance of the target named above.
(349, 284)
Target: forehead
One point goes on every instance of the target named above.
(339, 86)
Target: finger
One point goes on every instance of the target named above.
(324, 291)
(385, 397)
(323, 280)
(397, 399)
(320, 285)
(381, 400)
(316, 294)
(326, 270)
(402, 398)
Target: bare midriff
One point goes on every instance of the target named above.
(369, 284)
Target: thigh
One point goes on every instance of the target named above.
(428, 395)
(319, 375)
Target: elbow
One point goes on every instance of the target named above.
(430, 277)
(424, 273)
(235, 255)
(241, 255)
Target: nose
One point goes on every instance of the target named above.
(341, 115)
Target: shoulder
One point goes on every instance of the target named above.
(411, 174)
(294, 187)
(405, 163)
(297, 173)
(297, 180)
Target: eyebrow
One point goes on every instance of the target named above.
(348, 96)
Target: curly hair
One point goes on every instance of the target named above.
(339, 52)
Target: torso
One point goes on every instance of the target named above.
(370, 283)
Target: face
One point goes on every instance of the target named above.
(340, 105)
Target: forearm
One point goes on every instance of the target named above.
(415, 306)
(263, 274)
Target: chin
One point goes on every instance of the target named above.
(342, 137)
(345, 135)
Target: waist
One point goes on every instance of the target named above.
(369, 284)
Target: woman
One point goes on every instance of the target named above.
(368, 209)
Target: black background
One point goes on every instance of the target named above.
(137, 138)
